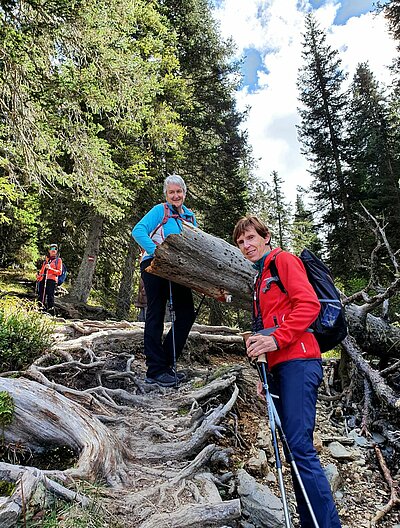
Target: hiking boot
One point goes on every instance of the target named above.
(163, 380)
(179, 374)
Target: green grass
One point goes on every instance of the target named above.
(60, 514)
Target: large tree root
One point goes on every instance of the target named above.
(184, 449)
(43, 417)
(197, 515)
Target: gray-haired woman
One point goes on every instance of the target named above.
(162, 220)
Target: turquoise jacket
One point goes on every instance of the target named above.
(144, 229)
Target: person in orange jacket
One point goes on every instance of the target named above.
(47, 279)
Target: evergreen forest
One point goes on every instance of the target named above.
(99, 102)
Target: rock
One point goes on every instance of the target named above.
(245, 524)
(271, 478)
(378, 438)
(332, 474)
(317, 443)
(339, 452)
(264, 439)
(258, 502)
(259, 463)
(361, 441)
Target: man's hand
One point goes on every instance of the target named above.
(258, 344)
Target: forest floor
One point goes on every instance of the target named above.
(360, 489)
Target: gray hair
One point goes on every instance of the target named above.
(174, 179)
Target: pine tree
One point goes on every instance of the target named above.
(216, 153)
(322, 136)
(371, 155)
(304, 230)
(279, 213)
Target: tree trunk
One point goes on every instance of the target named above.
(206, 264)
(125, 288)
(83, 284)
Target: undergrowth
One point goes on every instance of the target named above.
(25, 334)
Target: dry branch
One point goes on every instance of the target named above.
(380, 387)
(394, 489)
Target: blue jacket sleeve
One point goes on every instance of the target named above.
(143, 229)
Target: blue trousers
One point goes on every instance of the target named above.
(160, 354)
(296, 384)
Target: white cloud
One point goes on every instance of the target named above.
(275, 29)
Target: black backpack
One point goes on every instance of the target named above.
(330, 327)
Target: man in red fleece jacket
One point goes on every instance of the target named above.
(293, 356)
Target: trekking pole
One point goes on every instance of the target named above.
(172, 315)
(261, 365)
(275, 423)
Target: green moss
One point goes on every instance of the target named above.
(6, 488)
(6, 409)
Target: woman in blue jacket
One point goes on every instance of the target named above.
(162, 220)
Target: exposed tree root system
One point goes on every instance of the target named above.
(170, 457)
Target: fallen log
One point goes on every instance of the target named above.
(380, 387)
(206, 264)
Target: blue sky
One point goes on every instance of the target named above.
(268, 36)
(348, 9)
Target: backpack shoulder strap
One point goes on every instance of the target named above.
(274, 272)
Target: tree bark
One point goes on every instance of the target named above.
(125, 288)
(83, 284)
(43, 417)
(206, 264)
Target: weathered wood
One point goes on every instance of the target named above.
(42, 417)
(197, 515)
(373, 334)
(206, 264)
(380, 387)
(27, 480)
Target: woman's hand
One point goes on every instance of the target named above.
(258, 344)
(260, 390)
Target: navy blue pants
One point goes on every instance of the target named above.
(296, 383)
(46, 298)
(160, 354)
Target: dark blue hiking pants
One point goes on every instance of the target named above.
(296, 383)
(160, 354)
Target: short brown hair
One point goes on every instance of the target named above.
(244, 223)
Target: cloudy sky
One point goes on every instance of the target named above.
(268, 36)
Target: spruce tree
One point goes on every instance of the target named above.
(304, 230)
(321, 133)
(371, 155)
